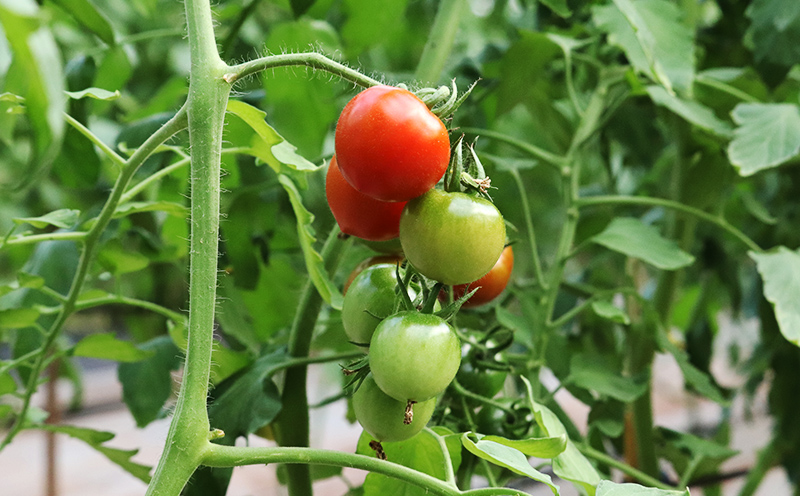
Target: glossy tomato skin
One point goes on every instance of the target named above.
(391, 259)
(382, 416)
(453, 238)
(492, 284)
(414, 356)
(368, 299)
(358, 214)
(389, 145)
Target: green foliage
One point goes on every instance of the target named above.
(96, 440)
(147, 383)
(635, 239)
(423, 452)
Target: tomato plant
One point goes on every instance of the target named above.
(389, 145)
(414, 356)
(492, 284)
(452, 237)
(358, 214)
(384, 417)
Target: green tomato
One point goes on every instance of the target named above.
(382, 416)
(453, 238)
(369, 298)
(414, 356)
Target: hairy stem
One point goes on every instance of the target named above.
(313, 60)
(188, 435)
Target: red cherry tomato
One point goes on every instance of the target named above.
(356, 213)
(389, 145)
(492, 284)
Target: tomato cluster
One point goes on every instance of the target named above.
(391, 150)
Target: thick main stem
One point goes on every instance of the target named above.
(187, 440)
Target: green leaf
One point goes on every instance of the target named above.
(106, 346)
(120, 261)
(18, 318)
(775, 31)
(571, 465)
(636, 239)
(780, 271)
(314, 263)
(694, 112)
(89, 17)
(698, 379)
(263, 143)
(35, 74)
(505, 456)
(300, 7)
(168, 207)
(591, 373)
(7, 384)
(608, 488)
(696, 446)
(768, 135)
(147, 384)
(654, 39)
(559, 7)
(422, 452)
(302, 107)
(540, 447)
(247, 401)
(23, 280)
(369, 23)
(94, 93)
(609, 311)
(63, 218)
(96, 439)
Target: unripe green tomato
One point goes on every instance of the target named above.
(382, 416)
(453, 238)
(369, 298)
(414, 356)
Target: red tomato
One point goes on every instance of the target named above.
(389, 145)
(492, 284)
(356, 213)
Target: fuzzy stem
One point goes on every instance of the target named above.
(188, 435)
(312, 59)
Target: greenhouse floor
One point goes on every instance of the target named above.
(83, 471)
